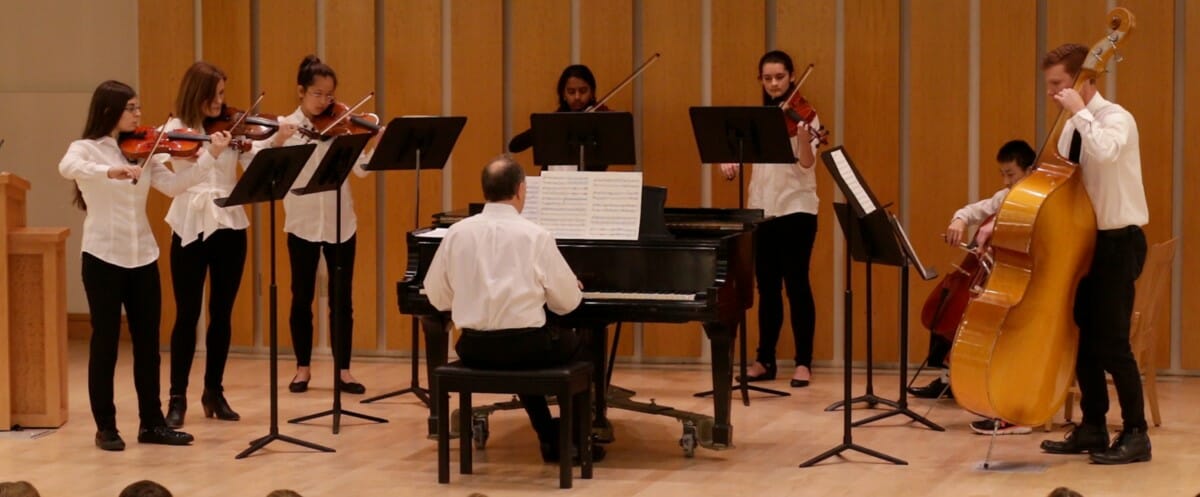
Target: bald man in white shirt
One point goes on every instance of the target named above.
(1102, 137)
(495, 272)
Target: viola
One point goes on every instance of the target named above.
(340, 119)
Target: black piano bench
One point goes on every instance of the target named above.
(570, 383)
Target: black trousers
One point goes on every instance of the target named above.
(305, 256)
(939, 348)
(523, 348)
(1103, 308)
(222, 255)
(782, 251)
(108, 288)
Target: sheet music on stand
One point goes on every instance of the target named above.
(848, 177)
(587, 205)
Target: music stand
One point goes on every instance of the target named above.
(415, 143)
(756, 135)
(267, 179)
(591, 140)
(335, 167)
(862, 203)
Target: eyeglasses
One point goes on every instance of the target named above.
(319, 95)
(131, 108)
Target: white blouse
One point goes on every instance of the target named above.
(116, 229)
(313, 217)
(782, 189)
(193, 215)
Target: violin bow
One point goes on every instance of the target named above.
(803, 78)
(625, 82)
(157, 142)
(347, 113)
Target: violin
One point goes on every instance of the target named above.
(340, 119)
(145, 141)
(241, 124)
(796, 109)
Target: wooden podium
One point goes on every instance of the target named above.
(33, 315)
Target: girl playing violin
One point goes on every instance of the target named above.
(787, 193)
(576, 92)
(311, 228)
(119, 254)
(1015, 159)
(205, 239)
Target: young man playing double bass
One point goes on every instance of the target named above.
(1102, 137)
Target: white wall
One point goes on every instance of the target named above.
(46, 81)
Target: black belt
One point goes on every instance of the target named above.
(1119, 232)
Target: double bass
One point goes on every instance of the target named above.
(1014, 355)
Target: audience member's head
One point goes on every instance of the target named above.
(17, 489)
(1064, 492)
(283, 492)
(504, 181)
(145, 488)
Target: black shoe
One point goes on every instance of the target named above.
(1084, 438)
(214, 404)
(1132, 445)
(298, 386)
(163, 436)
(767, 376)
(109, 440)
(549, 452)
(353, 387)
(933, 390)
(176, 410)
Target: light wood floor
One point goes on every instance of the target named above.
(773, 435)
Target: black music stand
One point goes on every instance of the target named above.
(755, 135)
(415, 143)
(859, 233)
(335, 167)
(591, 140)
(267, 179)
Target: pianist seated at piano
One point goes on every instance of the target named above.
(496, 272)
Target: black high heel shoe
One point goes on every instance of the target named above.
(176, 410)
(767, 376)
(214, 404)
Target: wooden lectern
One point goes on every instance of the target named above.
(33, 315)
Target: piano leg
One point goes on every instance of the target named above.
(720, 337)
(598, 345)
(437, 348)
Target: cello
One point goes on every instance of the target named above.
(1014, 355)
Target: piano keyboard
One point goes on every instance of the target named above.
(639, 296)
(677, 297)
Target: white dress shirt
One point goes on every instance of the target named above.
(495, 270)
(313, 217)
(978, 212)
(1112, 163)
(781, 189)
(116, 229)
(193, 215)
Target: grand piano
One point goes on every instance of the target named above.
(700, 269)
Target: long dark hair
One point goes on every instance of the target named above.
(777, 57)
(105, 111)
(575, 71)
(310, 68)
(197, 88)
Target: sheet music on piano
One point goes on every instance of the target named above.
(851, 180)
(589, 205)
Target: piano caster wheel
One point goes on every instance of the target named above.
(689, 441)
(479, 432)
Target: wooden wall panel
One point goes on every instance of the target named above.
(873, 141)
(413, 71)
(541, 48)
(166, 31)
(1073, 21)
(226, 43)
(815, 44)
(1145, 87)
(938, 160)
(669, 156)
(606, 46)
(1008, 76)
(288, 33)
(476, 91)
(350, 50)
(1189, 249)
